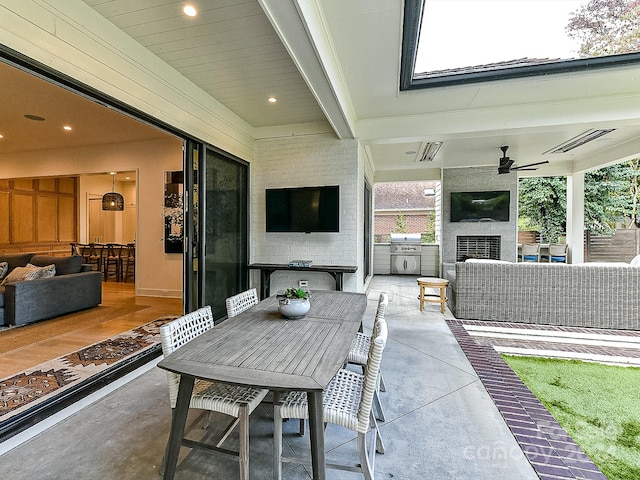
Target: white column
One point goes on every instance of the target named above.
(575, 217)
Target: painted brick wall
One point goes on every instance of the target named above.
(477, 180)
(300, 162)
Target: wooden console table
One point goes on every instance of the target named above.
(266, 269)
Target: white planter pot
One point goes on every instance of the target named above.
(294, 307)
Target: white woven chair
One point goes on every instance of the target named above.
(347, 402)
(241, 302)
(234, 400)
(359, 353)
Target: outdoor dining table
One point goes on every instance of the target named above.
(259, 347)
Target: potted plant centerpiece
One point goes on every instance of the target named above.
(293, 302)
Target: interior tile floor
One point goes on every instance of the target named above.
(441, 421)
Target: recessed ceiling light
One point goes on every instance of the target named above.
(68, 128)
(272, 99)
(1, 136)
(190, 10)
(34, 117)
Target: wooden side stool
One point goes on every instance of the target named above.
(433, 282)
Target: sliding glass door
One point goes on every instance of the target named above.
(225, 253)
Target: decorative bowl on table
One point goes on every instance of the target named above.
(293, 302)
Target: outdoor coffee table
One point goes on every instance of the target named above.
(261, 348)
(433, 282)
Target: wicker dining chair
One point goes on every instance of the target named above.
(234, 400)
(241, 302)
(359, 353)
(346, 402)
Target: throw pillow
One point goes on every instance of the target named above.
(30, 272)
(635, 262)
(4, 269)
(22, 274)
(47, 271)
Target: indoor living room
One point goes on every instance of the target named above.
(51, 181)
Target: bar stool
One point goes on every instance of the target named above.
(432, 282)
(94, 255)
(113, 261)
(128, 262)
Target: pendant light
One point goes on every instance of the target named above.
(113, 201)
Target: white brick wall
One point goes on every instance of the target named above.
(303, 161)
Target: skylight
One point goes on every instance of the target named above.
(461, 41)
(464, 33)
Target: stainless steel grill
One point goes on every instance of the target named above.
(405, 253)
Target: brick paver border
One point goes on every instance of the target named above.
(550, 450)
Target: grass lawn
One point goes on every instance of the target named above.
(598, 405)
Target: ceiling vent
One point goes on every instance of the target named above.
(430, 151)
(579, 140)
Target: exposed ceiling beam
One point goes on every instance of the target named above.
(303, 32)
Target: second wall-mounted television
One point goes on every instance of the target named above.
(303, 209)
(491, 206)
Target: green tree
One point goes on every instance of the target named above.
(621, 184)
(543, 200)
(606, 27)
(429, 234)
(604, 201)
(401, 224)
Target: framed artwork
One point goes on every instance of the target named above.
(173, 211)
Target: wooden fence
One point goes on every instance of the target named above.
(622, 246)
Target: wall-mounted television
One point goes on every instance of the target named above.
(491, 206)
(303, 209)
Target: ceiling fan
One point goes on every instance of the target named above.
(506, 164)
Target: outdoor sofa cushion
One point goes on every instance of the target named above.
(635, 262)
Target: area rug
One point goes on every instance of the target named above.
(21, 391)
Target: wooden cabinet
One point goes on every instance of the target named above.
(38, 214)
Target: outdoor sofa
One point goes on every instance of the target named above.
(74, 287)
(578, 295)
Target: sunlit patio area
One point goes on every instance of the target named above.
(440, 405)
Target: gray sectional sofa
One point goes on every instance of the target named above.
(579, 295)
(74, 287)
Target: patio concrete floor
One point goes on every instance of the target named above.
(442, 421)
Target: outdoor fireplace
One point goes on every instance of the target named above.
(477, 246)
